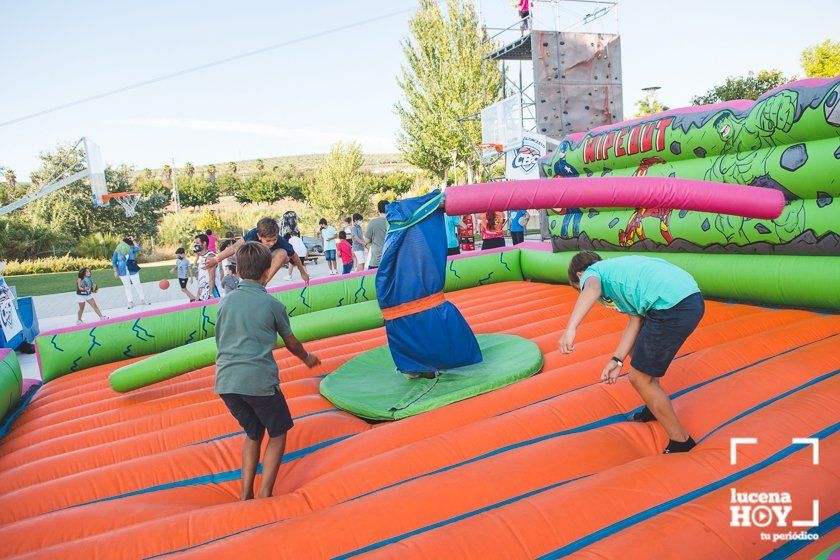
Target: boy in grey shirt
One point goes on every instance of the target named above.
(183, 266)
(247, 379)
(377, 229)
(231, 281)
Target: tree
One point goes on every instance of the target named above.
(167, 175)
(189, 169)
(211, 173)
(151, 186)
(396, 184)
(259, 187)
(196, 191)
(209, 220)
(260, 165)
(232, 168)
(649, 106)
(11, 177)
(751, 86)
(228, 184)
(822, 60)
(147, 173)
(445, 77)
(339, 189)
(68, 210)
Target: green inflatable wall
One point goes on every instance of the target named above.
(788, 140)
(11, 381)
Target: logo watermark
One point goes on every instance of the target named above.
(772, 509)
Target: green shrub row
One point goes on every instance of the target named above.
(54, 264)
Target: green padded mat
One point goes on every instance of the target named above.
(369, 386)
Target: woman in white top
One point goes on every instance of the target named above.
(300, 250)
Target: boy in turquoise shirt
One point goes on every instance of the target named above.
(247, 326)
(665, 306)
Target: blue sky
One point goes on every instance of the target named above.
(302, 98)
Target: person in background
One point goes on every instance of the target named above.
(524, 9)
(377, 229)
(267, 232)
(345, 251)
(126, 269)
(348, 226)
(358, 240)
(329, 236)
(300, 250)
(492, 230)
(518, 221)
(213, 240)
(231, 281)
(206, 275)
(84, 294)
(182, 265)
(453, 244)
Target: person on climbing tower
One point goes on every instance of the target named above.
(247, 379)
(665, 306)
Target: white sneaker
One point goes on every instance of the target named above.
(287, 278)
(131, 305)
(80, 322)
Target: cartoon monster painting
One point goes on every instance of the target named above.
(635, 230)
(748, 143)
(561, 168)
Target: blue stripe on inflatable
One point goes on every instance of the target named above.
(791, 547)
(213, 478)
(693, 495)
(241, 432)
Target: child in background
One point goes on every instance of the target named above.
(328, 236)
(665, 306)
(182, 265)
(357, 238)
(84, 294)
(231, 281)
(205, 275)
(300, 250)
(247, 380)
(345, 251)
(348, 227)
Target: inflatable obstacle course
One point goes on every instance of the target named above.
(11, 382)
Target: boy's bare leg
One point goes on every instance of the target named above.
(271, 464)
(250, 460)
(659, 403)
(188, 293)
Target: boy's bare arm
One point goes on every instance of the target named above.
(588, 296)
(230, 251)
(299, 264)
(296, 348)
(628, 337)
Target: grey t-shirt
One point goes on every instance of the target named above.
(358, 244)
(376, 230)
(230, 283)
(183, 267)
(247, 325)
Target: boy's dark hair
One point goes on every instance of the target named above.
(581, 262)
(225, 244)
(381, 206)
(348, 219)
(203, 238)
(322, 222)
(267, 228)
(208, 231)
(342, 234)
(357, 217)
(252, 260)
(82, 272)
(232, 268)
(179, 251)
(128, 241)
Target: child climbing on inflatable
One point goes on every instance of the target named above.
(665, 306)
(267, 232)
(247, 379)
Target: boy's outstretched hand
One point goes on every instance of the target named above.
(610, 373)
(567, 341)
(311, 360)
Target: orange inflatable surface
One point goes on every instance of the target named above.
(548, 467)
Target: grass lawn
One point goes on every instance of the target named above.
(59, 282)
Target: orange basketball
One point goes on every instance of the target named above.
(163, 284)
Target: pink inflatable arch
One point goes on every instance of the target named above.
(616, 192)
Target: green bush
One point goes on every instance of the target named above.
(228, 184)
(178, 230)
(209, 220)
(20, 240)
(196, 191)
(54, 264)
(96, 246)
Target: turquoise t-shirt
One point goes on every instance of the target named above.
(452, 231)
(326, 233)
(636, 284)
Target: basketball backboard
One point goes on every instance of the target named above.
(501, 123)
(96, 170)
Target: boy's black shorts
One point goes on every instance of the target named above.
(662, 334)
(257, 414)
(183, 282)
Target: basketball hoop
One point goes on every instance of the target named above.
(489, 153)
(128, 201)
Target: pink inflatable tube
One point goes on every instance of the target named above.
(616, 192)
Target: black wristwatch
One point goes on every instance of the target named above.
(617, 360)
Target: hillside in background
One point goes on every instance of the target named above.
(374, 163)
